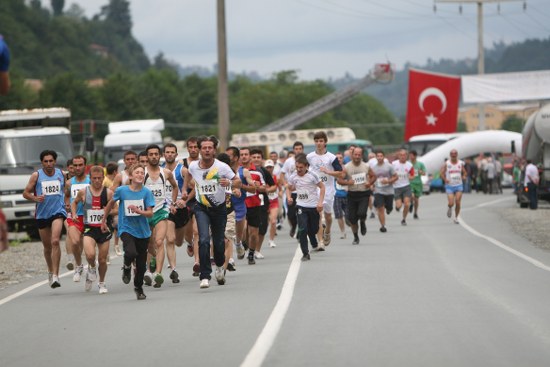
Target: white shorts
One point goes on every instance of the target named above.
(328, 205)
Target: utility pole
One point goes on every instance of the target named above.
(480, 51)
(223, 99)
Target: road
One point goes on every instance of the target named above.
(432, 293)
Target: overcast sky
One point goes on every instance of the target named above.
(325, 38)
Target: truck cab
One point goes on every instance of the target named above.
(24, 134)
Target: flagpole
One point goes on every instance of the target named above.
(480, 50)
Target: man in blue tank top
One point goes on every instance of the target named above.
(46, 188)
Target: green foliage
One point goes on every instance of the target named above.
(57, 6)
(513, 123)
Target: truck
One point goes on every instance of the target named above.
(24, 134)
(131, 135)
(536, 147)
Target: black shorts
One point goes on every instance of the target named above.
(98, 235)
(358, 203)
(47, 223)
(257, 217)
(180, 217)
(383, 201)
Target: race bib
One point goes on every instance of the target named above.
(359, 178)
(455, 178)
(272, 195)
(157, 190)
(340, 187)
(208, 187)
(94, 216)
(379, 182)
(403, 176)
(302, 195)
(75, 188)
(51, 188)
(229, 189)
(169, 190)
(323, 178)
(128, 212)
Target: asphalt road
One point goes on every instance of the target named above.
(432, 293)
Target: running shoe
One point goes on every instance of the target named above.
(415, 216)
(231, 265)
(240, 251)
(355, 241)
(363, 227)
(403, 222)
(102, 288)
(326, 239)
(139, 294)
(320, 247)
(456, 221)
(91, 276)
(383, 229)
(196, 269)
(55, 282)
(159, 279)
(189, 249)
(306, 257)
(153, 265)
(204, 283)
(148, 278)
(343, 235)
(220, 275)
(251, 260)
(174, 276)
(118, 251)
(78, 273)
(272, 244)
(126, 274)
(258, 255)
(372, 216)
(449, 211)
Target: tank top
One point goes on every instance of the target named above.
(53, 188)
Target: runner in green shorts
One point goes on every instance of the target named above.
(416, 182)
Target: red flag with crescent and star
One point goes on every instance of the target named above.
(432, 105)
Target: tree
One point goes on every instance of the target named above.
(117, 16)
(513, 123)
(57, 6)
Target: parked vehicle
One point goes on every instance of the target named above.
(131, 135)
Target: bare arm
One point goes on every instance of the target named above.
(28, 193)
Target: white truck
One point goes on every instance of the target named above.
(24, 134)
(131, 135)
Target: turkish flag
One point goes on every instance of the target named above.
(432, 105)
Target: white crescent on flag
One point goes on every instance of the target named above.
(432, 92)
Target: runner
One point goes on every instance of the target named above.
(288, 168)
(136, 204)
(68, 243)
(156, 179)
(267, 186)
(416, 182)
(79, 181)
(93, 198)
(176, 221)
(239, 200)
(142, 159)
(327, 167)
(359, 178)
(383, 187)
(46, 188)
(453, 173)
(341, 200)
(211, 177)
(273, 197)
(402, 187)
(310, 192)
(111, 172)
(229, 234)
(191, 233)
(371, 161)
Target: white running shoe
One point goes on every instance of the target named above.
(258, 255)
(148, 278)
(220, 275)
(272, 244)
(118, 252)
(55, 282)
(91, 276)
(102, 288)
(204, 283)
(343, 235)
(78, 273)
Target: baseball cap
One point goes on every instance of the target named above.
(269, 163)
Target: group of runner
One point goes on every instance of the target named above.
(214, 203)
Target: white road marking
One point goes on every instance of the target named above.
(28, 289)
(265, 340)
(497, 243)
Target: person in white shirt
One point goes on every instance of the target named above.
(532, 181)
(402, 187)
(453, 173)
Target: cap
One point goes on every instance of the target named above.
(269, 163)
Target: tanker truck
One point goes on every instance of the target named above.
(536, 147)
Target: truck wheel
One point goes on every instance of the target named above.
(523, 205)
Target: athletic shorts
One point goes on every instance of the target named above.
(159, 215)
(416, 189)
(254, 216)
(328, 205)
(78, 224)
(47, 223)
(340, 206)
(453, 189)
(98, 235)
(240, 211)
(274, 204)
(385, 201)
(403, 192)
(180, 217)
(230, 232)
